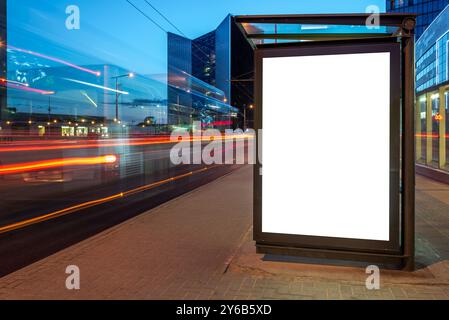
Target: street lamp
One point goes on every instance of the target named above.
(245, 125)
(128, 75)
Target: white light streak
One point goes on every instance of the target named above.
(96, 86)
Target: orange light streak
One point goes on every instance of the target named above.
(85, 205)
(432, 135)
(55, 163)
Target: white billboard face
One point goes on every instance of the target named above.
(326, 146)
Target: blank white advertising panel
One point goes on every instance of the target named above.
(326, 146)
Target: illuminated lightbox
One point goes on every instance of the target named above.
(327, 126)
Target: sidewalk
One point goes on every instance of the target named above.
(199, 246)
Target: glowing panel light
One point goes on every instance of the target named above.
(55, 163)
(40, 55)
(327, 181)
(314, 27)
(96, 86)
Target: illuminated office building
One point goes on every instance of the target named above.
(3, 34)
(427, 11)
(432, 86)
(205, 77)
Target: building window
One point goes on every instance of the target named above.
(399, 3)
(435, 129)
(67, 131)
(446, 122)
(392, 6)
(421, 129)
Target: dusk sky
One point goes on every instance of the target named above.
(112, 31)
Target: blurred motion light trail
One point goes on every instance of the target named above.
(55, 163)
(26, 88)
(96, 86)
(89, 98)
(14, 82)
(40, 55)
(85, 205)
(119, 143)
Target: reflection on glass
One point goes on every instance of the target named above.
(446, 97)
(422, 134)
(89, 111)
(435, 130)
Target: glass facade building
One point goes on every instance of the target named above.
(67, 93)
(432, 54)
(204, 62)
(205, 77)
(190, 98)
(432, 78)
(428, 10)
(3, 41)
(432, 86)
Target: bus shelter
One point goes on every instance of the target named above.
(334, 100)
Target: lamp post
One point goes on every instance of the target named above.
(245, 124)
(128, 75)
(49, 108)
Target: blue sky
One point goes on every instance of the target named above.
(112, 31)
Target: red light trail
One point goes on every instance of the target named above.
(26, 88)
(55, 163)
(103, 144)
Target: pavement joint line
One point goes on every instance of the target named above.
(231, 258)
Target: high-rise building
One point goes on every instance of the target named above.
(3, 34)
(428, 10)
(209, 78)
(431, 54)
(432, 98)
(204, 60)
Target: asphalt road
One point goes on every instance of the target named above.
(24, 201)
(26, 245)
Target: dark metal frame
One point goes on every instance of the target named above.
(310, 49)
(3, 63)
(400, 249)
(406, 20)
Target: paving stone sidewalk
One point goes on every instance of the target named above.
(199, 246)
